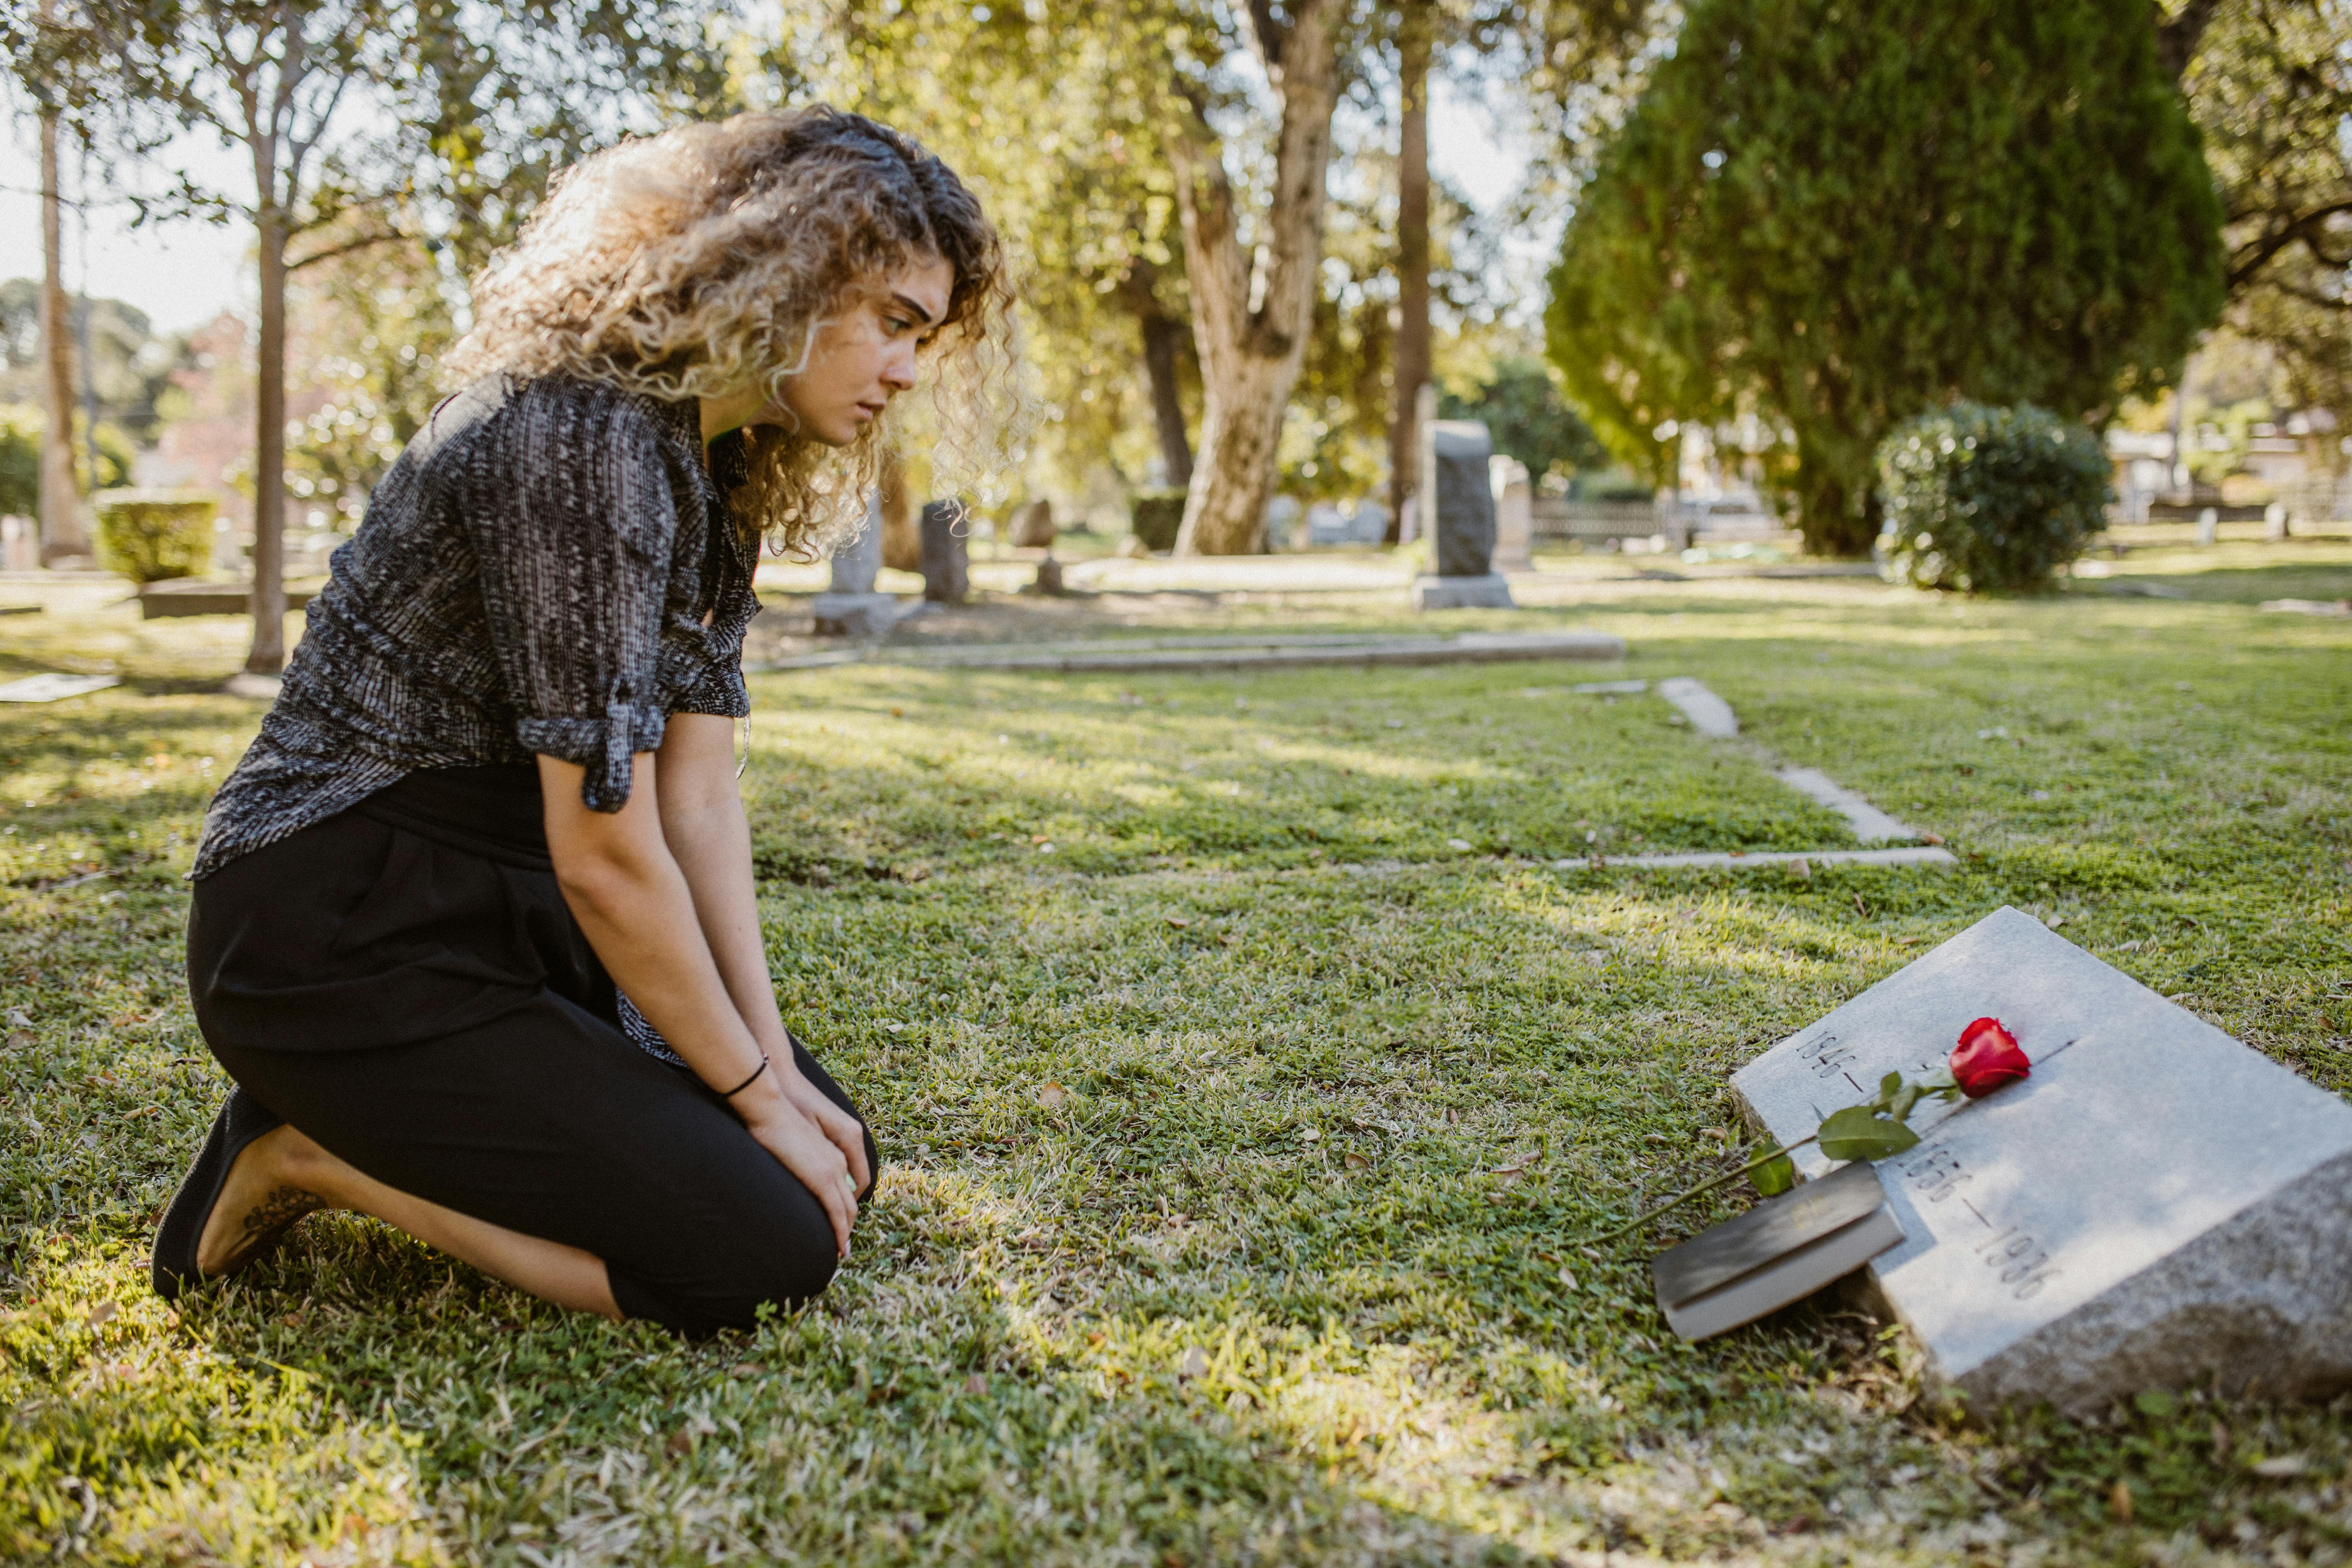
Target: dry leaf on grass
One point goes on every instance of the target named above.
(1195, 1364)
(1052, 1096)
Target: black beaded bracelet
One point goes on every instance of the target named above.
(749, 1081)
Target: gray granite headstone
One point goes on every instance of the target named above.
(947, 553)
(850, 606)
(1454, 455)
(2156, 1206)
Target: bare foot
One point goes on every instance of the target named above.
(267, 1190)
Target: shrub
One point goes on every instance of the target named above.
(1988, 500)
(150, 535)
(20, 459)
(1156, 516)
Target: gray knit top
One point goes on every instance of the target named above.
(549, 569)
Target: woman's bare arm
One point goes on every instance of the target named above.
(627, 888)
(702, 819)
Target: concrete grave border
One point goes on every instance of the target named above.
(1712, 717)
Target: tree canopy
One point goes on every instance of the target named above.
(1836, 214)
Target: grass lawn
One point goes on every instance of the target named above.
(1244, 1133)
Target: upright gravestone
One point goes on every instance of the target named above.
(1455, 489)
(946, 555)
(2156, 1206)
(1514, 515)
(850, 606)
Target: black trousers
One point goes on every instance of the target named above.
(430, 1012)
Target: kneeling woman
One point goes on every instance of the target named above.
(473, 927)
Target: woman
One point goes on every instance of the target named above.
(473, 926)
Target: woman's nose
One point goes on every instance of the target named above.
(898, 369)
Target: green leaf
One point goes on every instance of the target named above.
(1889, 1085)
(1855, 1133)
(1774, 1176)
(2156, 1403)
(1904, 1098)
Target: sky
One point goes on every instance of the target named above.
(184, 274)
(181, 274)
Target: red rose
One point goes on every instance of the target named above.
(1987, 1058)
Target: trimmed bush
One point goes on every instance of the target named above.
(1156, 516)
(1986, 500)
(151, 536)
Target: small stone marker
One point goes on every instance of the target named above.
(2156, 1206)
(51, 687)
(849, 607)
(1514, 514)
(1453, 457)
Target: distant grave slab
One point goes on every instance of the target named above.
(191, 596)
(2156, 1207)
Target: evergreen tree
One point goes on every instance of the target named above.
(1837, 214)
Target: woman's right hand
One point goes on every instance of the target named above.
(801, 1146)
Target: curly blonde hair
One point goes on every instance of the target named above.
(691, 263)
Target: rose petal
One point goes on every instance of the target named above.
(1987, 1059)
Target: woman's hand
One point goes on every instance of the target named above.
(847, 1132)
(805, 1149)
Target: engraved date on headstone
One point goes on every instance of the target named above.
(2017, 1256)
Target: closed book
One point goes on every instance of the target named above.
(1776, 1253)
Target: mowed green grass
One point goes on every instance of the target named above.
(1244, 1133)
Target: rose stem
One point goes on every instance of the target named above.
(1676, 1203)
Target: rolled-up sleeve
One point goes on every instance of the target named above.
(573, 520)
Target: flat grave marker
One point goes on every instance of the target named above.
(2156, 1207)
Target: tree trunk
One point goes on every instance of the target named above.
(268, 655)
(62, 534)
(1250, 322)
(1411, 367)
(1164, 339)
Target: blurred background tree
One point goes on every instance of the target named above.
(2270, 84)
(362, 121)
(1838, 212)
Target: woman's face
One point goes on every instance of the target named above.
(861, 359)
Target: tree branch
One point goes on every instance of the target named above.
(2304, 227)
(1271, 33)
(2177, 39)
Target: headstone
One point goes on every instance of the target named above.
(1455, 489)
(2209, 522)
(850, 606)
(2156, 1206)
(1032, 526)
(2274, 523)
(947, 553)
(1369, 522)
(1514, 499)
(1327, 524)
(1281, 520)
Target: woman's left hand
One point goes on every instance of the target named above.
(847, 1132)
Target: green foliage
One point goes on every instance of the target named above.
(372, 324)
(2270, 86)
(1835, 214)
(1523, 410)
(1155, 517)
(22, 425)
(129, 367)
(150, 536)
(1989, 500)
(20, 459)
(1774, 1176)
